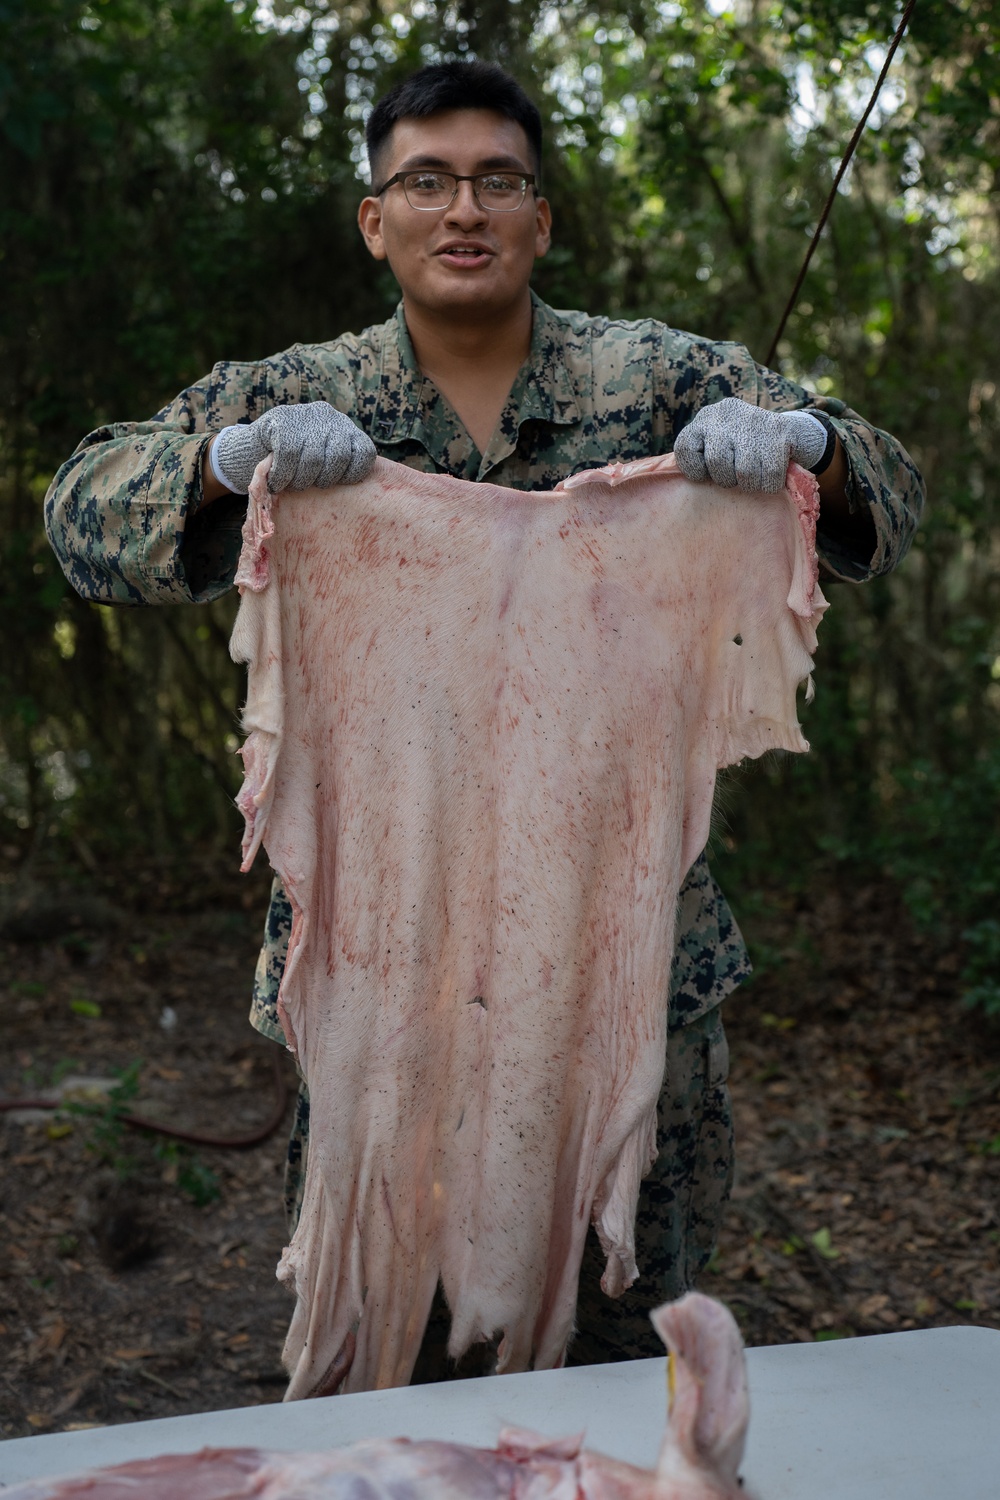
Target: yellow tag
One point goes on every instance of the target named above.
(671, 1379)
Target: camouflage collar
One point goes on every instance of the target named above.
(546, 389)
(554, 391)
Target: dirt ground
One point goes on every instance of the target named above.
(137, 1275)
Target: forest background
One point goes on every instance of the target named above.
(179, 185)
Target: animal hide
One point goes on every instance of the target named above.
(484, 729)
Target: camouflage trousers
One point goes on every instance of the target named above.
(681, 1202)
(680, 1208)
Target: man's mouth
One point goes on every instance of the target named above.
(466, 256)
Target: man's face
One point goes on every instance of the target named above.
(463, 259)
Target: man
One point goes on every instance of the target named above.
(474, 376)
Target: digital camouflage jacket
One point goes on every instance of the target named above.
(123, 513)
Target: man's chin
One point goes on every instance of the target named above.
(465, 294)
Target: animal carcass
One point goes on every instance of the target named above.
(699, 1457)
(484, 728)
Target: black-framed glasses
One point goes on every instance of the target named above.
(427, 188)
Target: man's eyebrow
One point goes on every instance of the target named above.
(486, 164)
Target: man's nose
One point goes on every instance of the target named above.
(465, 209)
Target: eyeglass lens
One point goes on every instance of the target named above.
(500, 191)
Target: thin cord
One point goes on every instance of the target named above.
(855, 138)
(196, 1138)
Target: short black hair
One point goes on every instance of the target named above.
(452, 85)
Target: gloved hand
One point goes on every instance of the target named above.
(312, 443)
(741, 446)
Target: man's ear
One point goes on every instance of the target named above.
(370, 224)
(543, 227)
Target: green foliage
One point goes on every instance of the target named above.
(106, 1136)
(821, 1242)
(109, 1132)
(181, 178)
(193, 1178)
(982, 970)
(89, 1008)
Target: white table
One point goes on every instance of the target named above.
(902, 1416)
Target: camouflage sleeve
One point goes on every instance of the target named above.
(271, 965)
(884, 481)
(122, 514)
(710, 956)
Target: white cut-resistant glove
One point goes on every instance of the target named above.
(741, 446)
(312, 444)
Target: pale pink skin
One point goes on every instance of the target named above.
(699, 1460)
(485, 727)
